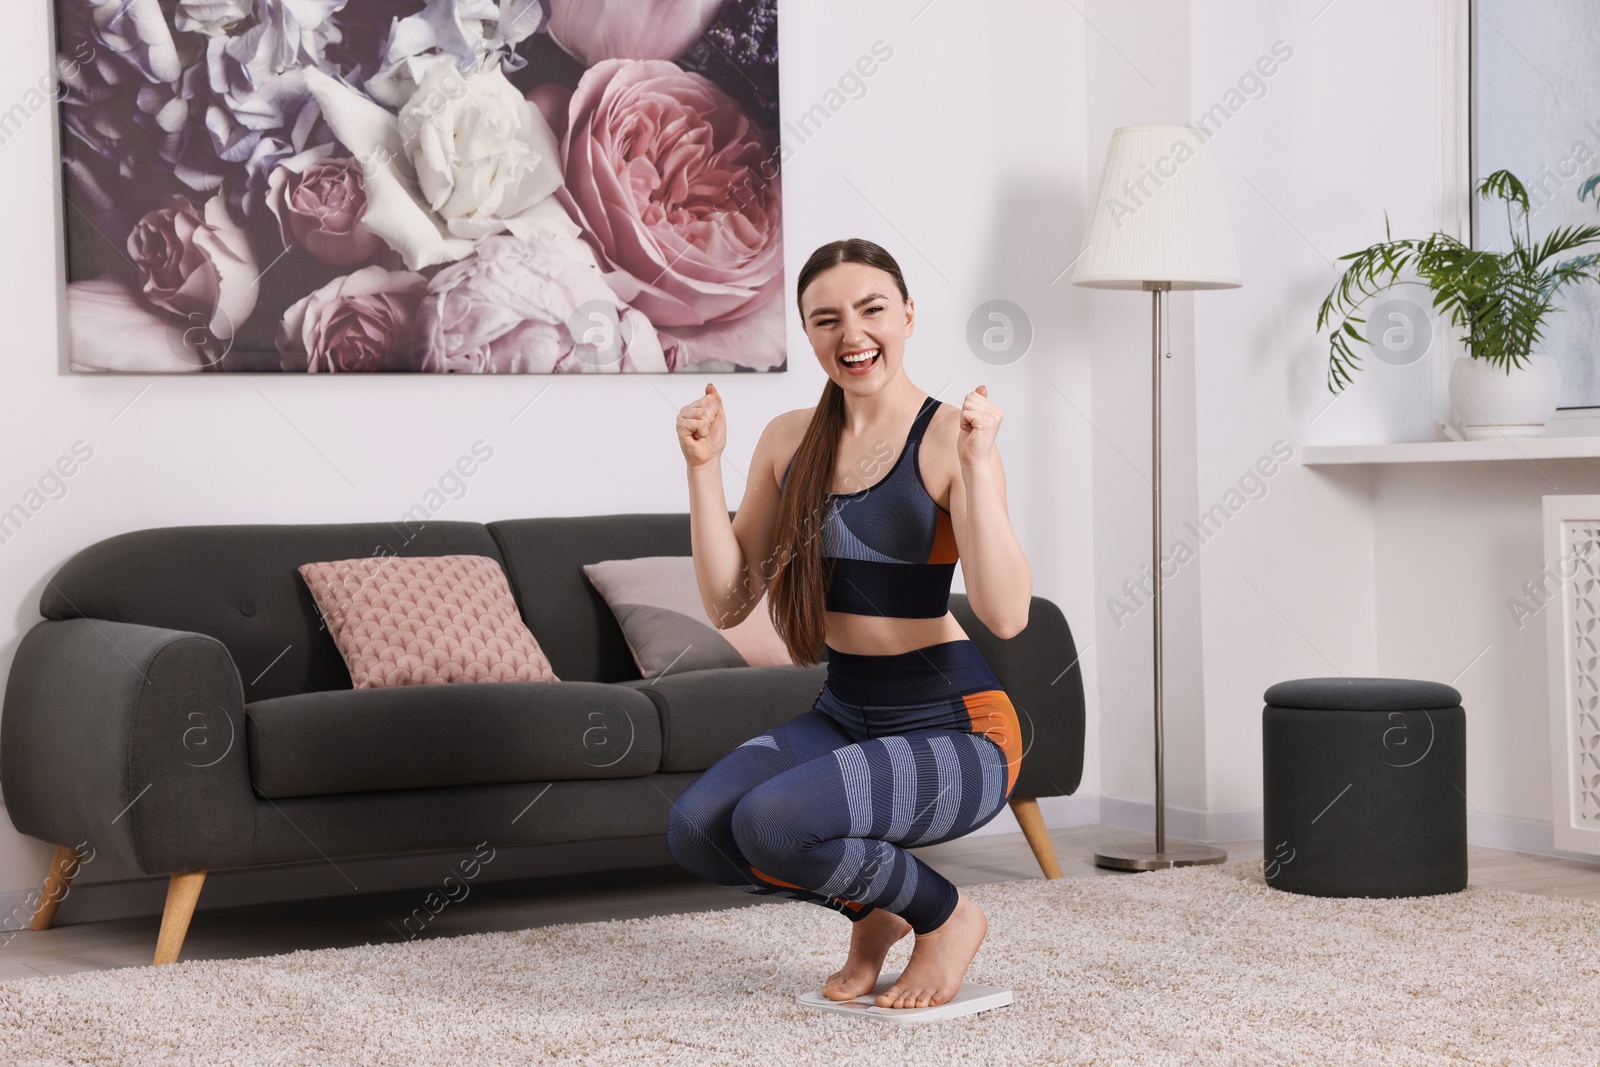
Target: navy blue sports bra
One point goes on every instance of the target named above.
(892, 547)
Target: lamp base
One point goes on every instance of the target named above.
(1148, 859)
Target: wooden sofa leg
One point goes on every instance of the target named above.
(1026, 809)
(63, 865)
(182, 892)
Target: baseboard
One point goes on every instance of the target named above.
(1533, 836)
(1059, 813)
(1183, 824)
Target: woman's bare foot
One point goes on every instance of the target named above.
(939, 961)
(870, 940)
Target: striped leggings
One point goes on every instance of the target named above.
(897, 751)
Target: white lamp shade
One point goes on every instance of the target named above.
(1160, 215)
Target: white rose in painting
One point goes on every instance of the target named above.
(466, 157)
(482, 153)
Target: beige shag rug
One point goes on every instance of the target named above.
(1195, 966)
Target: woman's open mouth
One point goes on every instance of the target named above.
(860, 362)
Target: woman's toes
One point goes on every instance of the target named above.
(838, 987)
(902, 997)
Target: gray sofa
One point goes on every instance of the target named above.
(181, 707)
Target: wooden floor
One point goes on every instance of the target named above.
(261, 930)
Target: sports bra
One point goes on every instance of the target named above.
(891, 545)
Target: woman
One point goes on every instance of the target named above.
(911, 740)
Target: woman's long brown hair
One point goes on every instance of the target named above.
(798, 587)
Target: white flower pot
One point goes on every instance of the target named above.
(1487, 403)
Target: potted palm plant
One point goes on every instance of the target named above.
(1498, 300)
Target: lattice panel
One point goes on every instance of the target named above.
(1581, 551)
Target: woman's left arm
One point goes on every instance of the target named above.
(998, 579)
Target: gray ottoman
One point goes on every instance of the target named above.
(1364, 783)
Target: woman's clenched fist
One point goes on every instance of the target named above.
(702, 429)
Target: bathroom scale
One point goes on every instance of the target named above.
(970, 999)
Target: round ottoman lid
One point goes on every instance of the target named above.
(1362, 694)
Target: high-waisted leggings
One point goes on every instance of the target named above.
(898, 750)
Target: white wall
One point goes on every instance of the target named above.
(1288, 579)
(1312, 165)
(1455, 543)
(1399, 571)
(1354, 571)
(964, 158)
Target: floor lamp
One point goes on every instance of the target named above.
(1160, 223)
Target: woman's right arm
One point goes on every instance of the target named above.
(730, 584)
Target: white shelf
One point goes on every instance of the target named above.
(1514, 449)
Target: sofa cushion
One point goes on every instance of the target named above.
(656, 600)
(707, 714)
(425, 620)
(408, 737)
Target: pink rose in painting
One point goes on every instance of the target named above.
(361, 322)
(675, 191)
(535, 304)
(592, 30)
(194, 265)
(319, 204)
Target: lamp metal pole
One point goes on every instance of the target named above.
(1177, 855)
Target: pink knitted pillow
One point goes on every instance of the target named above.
(421, 620)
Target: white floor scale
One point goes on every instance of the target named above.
(970, 999)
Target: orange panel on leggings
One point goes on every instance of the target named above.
(994, 717)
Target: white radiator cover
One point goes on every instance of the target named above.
(1572, 574)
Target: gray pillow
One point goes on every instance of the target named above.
(657, 603)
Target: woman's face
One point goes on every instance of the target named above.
(853, 308)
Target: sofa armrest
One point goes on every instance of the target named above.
(131, 738)
(1040, 673)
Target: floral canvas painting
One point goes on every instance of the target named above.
(481, 186)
